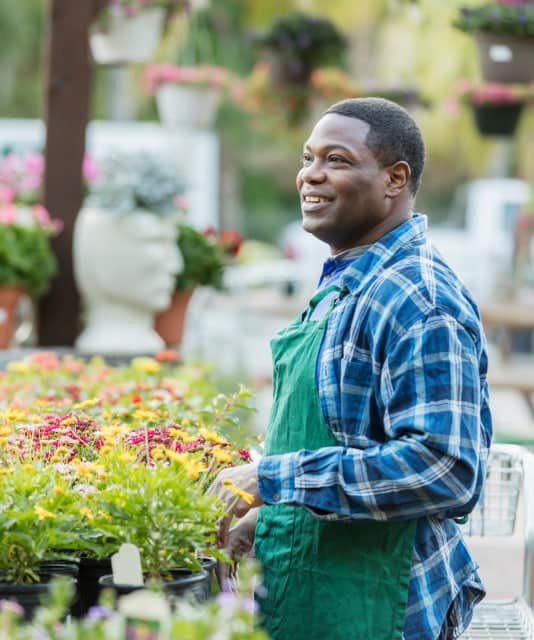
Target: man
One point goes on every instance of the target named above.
(380, 428)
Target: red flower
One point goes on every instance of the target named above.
(245, 455)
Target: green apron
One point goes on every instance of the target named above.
(324, 580)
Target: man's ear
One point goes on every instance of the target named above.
(398, 177)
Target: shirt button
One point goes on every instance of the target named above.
(276, 496)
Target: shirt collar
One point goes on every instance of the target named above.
(368, 265)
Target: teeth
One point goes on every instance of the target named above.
(315, 199)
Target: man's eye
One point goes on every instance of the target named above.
(306, 158)
(334, 158)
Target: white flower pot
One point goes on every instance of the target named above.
(128, 39)
(182, 106)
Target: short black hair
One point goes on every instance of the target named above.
(393, 134)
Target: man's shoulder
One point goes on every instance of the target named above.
(416, 283)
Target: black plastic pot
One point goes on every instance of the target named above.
(183, 583)
(89, 572)
(27, 595)
(497, 119)
(61, 568)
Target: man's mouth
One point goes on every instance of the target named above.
(315, 199)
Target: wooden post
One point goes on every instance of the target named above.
(67, 112)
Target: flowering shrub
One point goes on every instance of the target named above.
(489, 93)
(503, 17)
(116, 454)
(201, 75)
(327, 85)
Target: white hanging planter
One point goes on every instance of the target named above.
(128, 39)
(184, 106)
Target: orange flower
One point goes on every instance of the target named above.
(167, 355)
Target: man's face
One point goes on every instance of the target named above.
(342, 187)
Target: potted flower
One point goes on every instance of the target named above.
(32, 526)
(496, 107)
(297, 44)
(203, 266)
(504, 30)
(27, 263)
(129, 31)
(187, 96)
(125, 252)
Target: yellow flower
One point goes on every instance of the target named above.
(193, 469)
(16, 366)
(5, 431)
(28, 468)
(14, 415)
(105, 515)
(4, 471)
(87, 513)
(58, 490)
(244, 495)
(146, 365)
(212, 436)
(221, 455)
(157, 454)
(85, 404)
(145, 416)
(43, 514)
(68, 421)
(177, 433)
(176, 457)
(105, 448)
(127, 457)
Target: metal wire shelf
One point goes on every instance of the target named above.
(501, 621)
(496, 511)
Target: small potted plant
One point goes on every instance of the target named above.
(297, 44)
(32, 527)
(129, 31)
(496, 107)
(504, 30)
(27, 263)
(203, 266)
(188, 96)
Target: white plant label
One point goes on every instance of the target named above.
(500, 53)
(126, 565)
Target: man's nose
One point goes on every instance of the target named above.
(313, 173)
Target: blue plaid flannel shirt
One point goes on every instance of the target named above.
(402, 384)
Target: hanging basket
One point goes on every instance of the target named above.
(285, 73)
(185, 107)
(506, 58)
(127, 39)
(497, 120)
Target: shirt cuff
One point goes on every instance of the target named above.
(276, 478)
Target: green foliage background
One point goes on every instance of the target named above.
(392, 42)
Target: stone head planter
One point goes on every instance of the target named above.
(125, 268)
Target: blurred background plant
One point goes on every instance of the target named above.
(128, 182)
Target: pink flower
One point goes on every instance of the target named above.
(91, 171)
(8, 214)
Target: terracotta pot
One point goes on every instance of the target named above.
(9, 300)
(506, 58)
(170, 323)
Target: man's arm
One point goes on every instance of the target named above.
(433, 461)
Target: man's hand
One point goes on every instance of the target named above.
(240, 544)
(237, 488)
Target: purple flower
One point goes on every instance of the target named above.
(97, 613)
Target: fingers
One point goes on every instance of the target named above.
(222, 533)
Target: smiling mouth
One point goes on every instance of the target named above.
(316, 199)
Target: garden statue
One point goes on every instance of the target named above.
(125, 267)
